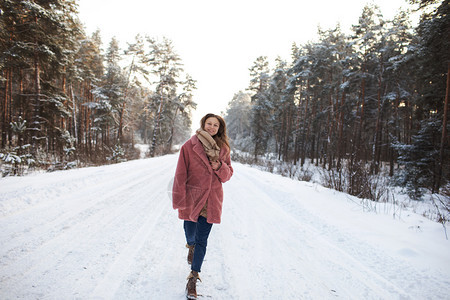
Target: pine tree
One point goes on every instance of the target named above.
(261, 106)
(432, 57)
(399, 71)
(238, 121)
(111, 92)
(180, 120)
(167, 68)
(84, 89)
(366, 42)
(282, 114)
(138, 67)
(35, 58)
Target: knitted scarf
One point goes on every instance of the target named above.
(209, 144)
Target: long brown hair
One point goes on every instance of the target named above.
(221, 137)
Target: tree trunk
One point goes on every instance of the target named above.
(74, 115)
(358, 141)
(330, 143)
(156, 127)
(63, 120)
(287, 130)
(172, 130)
(4, 111)
(307, 122)
(87, 120)
(444, 132)
(341, 131)
(297, 132)
(37, 101)
(120, 130)
(122, 111)
(377, 150)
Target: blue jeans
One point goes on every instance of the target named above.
(197, 234)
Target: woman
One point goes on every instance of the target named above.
(203, 165)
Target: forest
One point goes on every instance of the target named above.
(66, 103)
(357, 104)
(370, 101)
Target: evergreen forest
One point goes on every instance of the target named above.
(357, 104)
(67, 103)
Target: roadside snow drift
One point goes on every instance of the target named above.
(110, 233)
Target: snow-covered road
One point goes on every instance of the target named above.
(110, 233)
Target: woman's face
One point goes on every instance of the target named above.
(212, 126)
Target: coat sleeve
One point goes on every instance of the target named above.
(179, 182)
(226, 170)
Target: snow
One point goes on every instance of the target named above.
(110, 233)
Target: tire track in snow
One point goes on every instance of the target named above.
(147, 265)
(160, 269)
(311, 259)
(384, 275)
(87, 222)
(71, 198)
(114, 276)
(37, 196)
(118, 270)
(32, 239)
(79, 231)
(262, 245)
(68, 221)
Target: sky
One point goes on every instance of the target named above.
(218, 41)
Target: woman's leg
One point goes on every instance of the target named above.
(202, 231)
(189, 232)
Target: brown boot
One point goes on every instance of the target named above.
(190, 253)
(191, 286)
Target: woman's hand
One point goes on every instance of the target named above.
(215, 165)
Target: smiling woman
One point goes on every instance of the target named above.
(203, 165)
(212, 125)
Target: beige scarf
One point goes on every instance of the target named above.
(212, 151)
(209, 144)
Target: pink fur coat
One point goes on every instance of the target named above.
(196, 182)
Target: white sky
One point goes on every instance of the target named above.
(218, 41)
